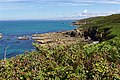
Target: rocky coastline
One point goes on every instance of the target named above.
(55, 39)
(84, 35)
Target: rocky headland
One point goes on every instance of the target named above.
(55, 39)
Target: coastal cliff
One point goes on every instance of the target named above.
(76, 61)
(90, 30)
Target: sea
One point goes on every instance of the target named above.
(11, 30)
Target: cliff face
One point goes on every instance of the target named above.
(105, 27)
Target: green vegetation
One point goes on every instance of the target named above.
(74, 62)
(100, 61)
(112, 21)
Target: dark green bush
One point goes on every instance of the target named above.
(74, 62)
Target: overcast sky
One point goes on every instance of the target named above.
(56, 9)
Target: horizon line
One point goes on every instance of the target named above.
(35, 19)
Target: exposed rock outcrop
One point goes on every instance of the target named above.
(56, 38)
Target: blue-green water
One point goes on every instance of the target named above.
(13, 29)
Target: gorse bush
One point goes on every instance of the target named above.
(73, 62)
(104, 60)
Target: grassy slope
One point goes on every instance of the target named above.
(116, 29)
(74, 62)
(106, 21)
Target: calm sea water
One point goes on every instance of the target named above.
(13, 29)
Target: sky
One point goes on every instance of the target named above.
(56, 9)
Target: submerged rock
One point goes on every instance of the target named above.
(23, 38)
(1, 35)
